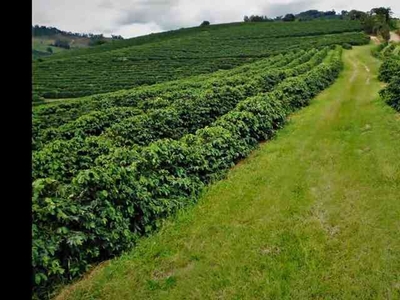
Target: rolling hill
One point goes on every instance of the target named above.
(311, 214)
(47, 41)
(178, 54)
(162, 117)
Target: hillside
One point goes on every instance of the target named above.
(107, 169)
(173, 55)
(45, 41)
(312, 214)
(165, 117)
(40, 45)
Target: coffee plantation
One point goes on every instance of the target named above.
(107, 168)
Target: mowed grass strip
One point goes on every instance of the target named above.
(312, 214)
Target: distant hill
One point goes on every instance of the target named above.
(49, 40)
(167, 56)
(308, 15)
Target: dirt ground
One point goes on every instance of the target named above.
(375, 39)
(394, 37)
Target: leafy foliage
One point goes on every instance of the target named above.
(389, 72)
(64, 158)
(159, 96)
(316, 14)
(347, 46)
(391, 94)
(127, 64)
(104, 208)
(377, 21)
(389, 69)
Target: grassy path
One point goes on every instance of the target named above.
(313, 214)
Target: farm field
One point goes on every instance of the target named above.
(133, 132)
(108, 168)
(177, 100)
(166, 57)
(311, 214)
(223, 30)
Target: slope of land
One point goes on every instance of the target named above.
(164, 57)
(313, 214)
(107, 169)
(222, 30)
(40, 44)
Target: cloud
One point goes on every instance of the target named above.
(106, 4)
(161, 12)
(137, 28)
(281, 9)
(137, 17)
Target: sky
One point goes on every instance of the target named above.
(131, 18)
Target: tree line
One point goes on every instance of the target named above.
(303, 16)
(48, 31)
(377, 21)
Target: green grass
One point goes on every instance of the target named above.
(312, 214)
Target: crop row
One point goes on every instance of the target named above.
(224, 31)
(386, 50)
(63, 159)
(104, 209)
(164, 61)
(57, 114)
(389, 72)
(183, 94)
(47, 117)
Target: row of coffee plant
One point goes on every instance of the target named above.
(389, 72)
(216, 89)
(59, 113)
(176, 58)
(62, 159)
(104, 209)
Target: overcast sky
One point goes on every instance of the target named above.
(131, 18)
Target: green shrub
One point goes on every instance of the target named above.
(37, 99)
(389, 72)
(389, 69)
(391, 93)
(181, 117)
(347, 46)
(103, 209)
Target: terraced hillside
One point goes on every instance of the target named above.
(174, 55)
